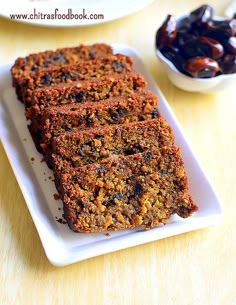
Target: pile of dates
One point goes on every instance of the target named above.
(198, 45)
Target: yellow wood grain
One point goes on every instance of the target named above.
(189, 269)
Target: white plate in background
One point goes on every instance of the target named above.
(39, 12)
(61, 245)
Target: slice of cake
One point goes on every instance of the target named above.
(126, 191)
(115, 110)
(79, 148)
(50, 59)
(87, 90)
(83, 70)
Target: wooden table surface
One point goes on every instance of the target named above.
(189, 269)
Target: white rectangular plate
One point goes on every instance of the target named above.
(61, 245)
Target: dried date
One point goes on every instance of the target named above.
(166, 33)
(230, 45)
(174, 56)
(228, 64)
(202, 46)
(201, 15)
(216, 49)
(201, 67)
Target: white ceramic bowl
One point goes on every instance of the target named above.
(187, 83)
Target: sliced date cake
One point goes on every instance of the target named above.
(123, 192)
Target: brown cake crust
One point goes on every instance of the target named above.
(79, 148)
(52, 121)
(125, 192)
(83, 70)
(88, 90)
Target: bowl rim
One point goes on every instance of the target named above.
(173, 68)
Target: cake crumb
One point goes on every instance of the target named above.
(60, 220)
(56, 196)
(107, 234)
